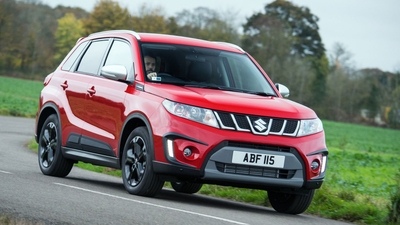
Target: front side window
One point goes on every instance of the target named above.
(120, 54)
(203, 68)
(91, 61)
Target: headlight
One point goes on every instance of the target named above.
(200, 115)
(308, 127)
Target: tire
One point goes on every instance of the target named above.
(137, 168)
(290, 203)
(51, 159)
(186, 187)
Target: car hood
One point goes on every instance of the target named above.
(230, 101)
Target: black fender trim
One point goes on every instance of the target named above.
(142, 117)
(41, 120)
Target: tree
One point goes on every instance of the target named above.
(318, 85)
(68, 31)
(301, 24)
(61, 10)
(208, 24)
(8, 10)
(394, 113)
(340, 58)
(284, 31)
(107, 15)
(151, 20)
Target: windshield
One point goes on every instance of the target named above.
(204, 68)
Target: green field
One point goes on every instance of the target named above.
(19, 97)
(362, 167)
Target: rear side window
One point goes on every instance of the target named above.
(91, 61)
(68, 64)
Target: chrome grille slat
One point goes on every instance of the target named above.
(249, 123)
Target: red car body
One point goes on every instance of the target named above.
(97, 114)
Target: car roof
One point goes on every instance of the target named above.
(170, 39)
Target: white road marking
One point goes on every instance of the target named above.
(151, 204)
(1, 171)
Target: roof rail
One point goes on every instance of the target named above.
(230, 44)
(136, 35)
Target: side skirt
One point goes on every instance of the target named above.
(90, 157)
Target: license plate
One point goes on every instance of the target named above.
(256, 159)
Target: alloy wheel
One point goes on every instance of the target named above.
(48, 145)
(135, 162)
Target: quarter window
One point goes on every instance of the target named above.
(68, 64)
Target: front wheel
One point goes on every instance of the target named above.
(51, 159)
(186, 187)
(290, 203)
(137, 169)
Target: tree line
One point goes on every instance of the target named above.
(284, 39)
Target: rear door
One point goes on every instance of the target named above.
(75, 83)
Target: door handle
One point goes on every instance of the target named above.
(64, 85)
(91, 90)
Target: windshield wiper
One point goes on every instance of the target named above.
(203, 86)
(230, 89)
(262, 93)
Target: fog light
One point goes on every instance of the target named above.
(187, 152)
(315, 166)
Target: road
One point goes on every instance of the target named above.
(86, 197)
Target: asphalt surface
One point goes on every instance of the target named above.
(86, 197)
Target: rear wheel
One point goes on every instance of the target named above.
(290, 203)
(51, 159)
(186, 187)
(137, 169)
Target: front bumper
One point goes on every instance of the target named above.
(218, 169)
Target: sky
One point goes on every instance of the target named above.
(368, 29)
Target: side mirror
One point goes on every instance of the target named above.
(114, 72)
(283, 90)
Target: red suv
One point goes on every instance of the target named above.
(169, 108)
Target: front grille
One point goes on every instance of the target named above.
(258, 125)
(254, 171)
(242, 122)
(276, 125)
(226, 120)
(291, 126)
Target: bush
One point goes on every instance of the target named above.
(394, 207)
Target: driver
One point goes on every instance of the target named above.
(150, 65)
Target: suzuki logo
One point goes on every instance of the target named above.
(259, 125)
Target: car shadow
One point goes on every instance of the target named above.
(168, 195)
(209, 201)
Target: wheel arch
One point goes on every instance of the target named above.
(46, 111)
(133, 121)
